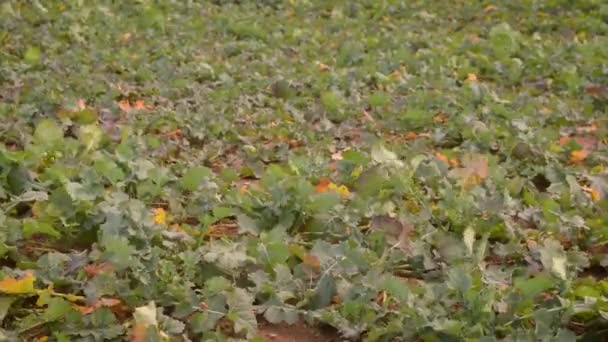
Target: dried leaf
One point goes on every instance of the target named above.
(95, 269)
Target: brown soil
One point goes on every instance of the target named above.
(298, 332)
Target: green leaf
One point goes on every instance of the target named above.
(459, 279)
(330, 101)
(58, 308)
(216, 285)
(324, 291)
(32, 55)
(275, 252)
(396, 288)
(379, 99)
(193, 178)
(118, 251)
(31, 227)
(78, 192)
(247, 224)
(109, 169)
(222, 212)
(276, 315)
(504, 40)
(5, 304)
(533, 286)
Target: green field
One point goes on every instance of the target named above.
(371, 170)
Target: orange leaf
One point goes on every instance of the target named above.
(25, 285)
(323, 185)
(124, 105)
(593, 193)
(139, 104)
(411, 136)
(138, 334)
(101, 302)
(472, 77)
(578, 156)
(312, 261)
(442, 157)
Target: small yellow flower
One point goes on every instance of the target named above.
(160, 216)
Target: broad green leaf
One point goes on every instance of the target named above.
(31, 227)
(192, 179)
(533, 286)
(247, 224)
(324, 291)
(241, 312)
(276, 315)
(396, 288)
(78, 192)
(459, 279)
(57, 309)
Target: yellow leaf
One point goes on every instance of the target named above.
(357, 171)
(24, 285)
(44, 296)
(160, 216)
(342, 189)
(595, 195)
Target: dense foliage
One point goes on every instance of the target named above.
(399, 170)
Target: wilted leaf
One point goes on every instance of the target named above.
(383, 156)
(474, 170)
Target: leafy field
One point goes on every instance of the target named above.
(395, 170)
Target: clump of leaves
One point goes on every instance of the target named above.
(395, 170)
